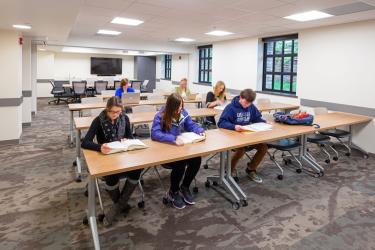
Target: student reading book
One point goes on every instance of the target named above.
(241, 112)
(169, 123)
(216, 99)
(125, 145)
(190, 137)
(110, 126)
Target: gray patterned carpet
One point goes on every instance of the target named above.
(42, 207)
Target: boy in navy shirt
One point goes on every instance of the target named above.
(240, 112)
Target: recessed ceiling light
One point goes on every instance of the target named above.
(109, 32)
(126, 21)
(219, 33)
(308, 16)
(22, 26)
(184, 39)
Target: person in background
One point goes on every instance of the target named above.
(124, 88)
(182, 89)
(113, 124)
(241, 111)
(170, 122)
(216, 98)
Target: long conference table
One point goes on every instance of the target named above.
(218, 141)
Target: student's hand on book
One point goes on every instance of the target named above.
(179, 142)
(105, 149)
(203, 134)
(238, 128)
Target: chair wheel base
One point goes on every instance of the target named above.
(365, 156)
(327, 161)
(280, 177)
(244, 203)
(215, 183)
(78, 179)
(205, 166)
(85, 221)
(335, 158)
(207, 184)
(101, 217)
(347, 154)
(165, 201)
(74, 163)
(141, 204)
(298, 170)
(236, 205)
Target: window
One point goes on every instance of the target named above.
(205, 64)
(280, 58)
(167, 67)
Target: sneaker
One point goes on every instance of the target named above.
(176, 200)
(253, 176)
(187, 196)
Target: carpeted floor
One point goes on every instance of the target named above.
(41, 207)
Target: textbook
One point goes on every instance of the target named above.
(126, 145)
(190, 137)
(256, 127)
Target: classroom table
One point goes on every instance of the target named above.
(142, 95)
(82, 123)
(218, 141)
(85, 106)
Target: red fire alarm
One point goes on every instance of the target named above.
(20, 40)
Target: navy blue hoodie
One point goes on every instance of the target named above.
(234, 114)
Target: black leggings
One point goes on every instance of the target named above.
(112, 180)
(178, 171)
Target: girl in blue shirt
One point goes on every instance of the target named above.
(124, 88)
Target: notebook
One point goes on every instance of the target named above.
(256, 127)
(190, 137)
(126, 145)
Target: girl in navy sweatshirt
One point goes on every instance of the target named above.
(113, 124)
(170, 122)
(241, 111)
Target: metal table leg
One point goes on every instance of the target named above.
(91, 212)
(352, 145)
(71, 129)
(78, 157)
(230, 179)
(304, 158)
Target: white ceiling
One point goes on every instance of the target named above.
(69, 21)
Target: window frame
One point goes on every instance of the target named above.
(207, 60)
(167, 67)
(292, 55)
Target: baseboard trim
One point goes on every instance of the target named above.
(10, 142)
(26, 124)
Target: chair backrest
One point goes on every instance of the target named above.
(92, 112)
(79, 87)
(263, 101)
(60, 84)
(117, 84)
(100, 86)
(320, 110)
(136, 86)
(204, 96)
(108, 92)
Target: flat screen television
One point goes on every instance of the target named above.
(106, 66)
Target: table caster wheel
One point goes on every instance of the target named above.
(321, 174)
(207, 184)
(165, 201)
(85, 221)
(317, 175)
(244, 203)
(285, 162)
(141, 204)
(298, 170)
(280, 177)
(74, 163)
(365, 156)
(101, 217)
(78, 179)
(205, 166)
(195, 190)
(236, 205)
(347, 154)
(335, 158)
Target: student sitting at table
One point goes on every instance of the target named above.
(113, 124)
(216, 98)
(182, 89)
(241, 111)
(169, 122)
(124, 88)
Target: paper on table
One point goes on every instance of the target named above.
(256, 127)
(190, 137)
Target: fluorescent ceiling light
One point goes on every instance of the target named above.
(41, 49)
(184, 39)
(219, 33)
(77, 50)
(126, 21)
(308, 16)
(109, 32)
(22, 26)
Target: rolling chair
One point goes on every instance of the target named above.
(100, 86)
(322, 141)
(58, 92)
(144, 86)
(117, 84)
(338, 134)
(79, 89)
(136, 86)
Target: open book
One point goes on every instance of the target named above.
(190, 137)
(126, 145)
(259, 126)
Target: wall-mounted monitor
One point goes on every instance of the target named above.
(106, 66)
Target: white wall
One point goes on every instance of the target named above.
(11, 84)
(73, 66)
(26, 80)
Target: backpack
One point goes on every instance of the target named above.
(290, 119)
